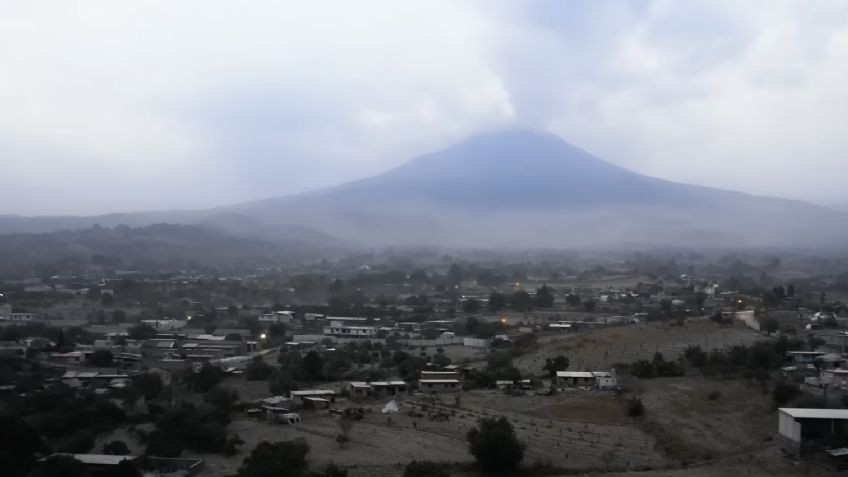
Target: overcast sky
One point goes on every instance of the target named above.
(120, 105)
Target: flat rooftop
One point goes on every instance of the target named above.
(803, 413)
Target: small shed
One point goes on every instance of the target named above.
(575, 378)
(802, 431)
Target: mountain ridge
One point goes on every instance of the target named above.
(509, 188)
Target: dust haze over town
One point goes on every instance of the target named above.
(423, 239)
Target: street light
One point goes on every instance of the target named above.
(262, 336)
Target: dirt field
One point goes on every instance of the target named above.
(600, 348)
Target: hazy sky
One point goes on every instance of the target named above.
(121, 105)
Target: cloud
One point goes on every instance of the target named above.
(112, 106)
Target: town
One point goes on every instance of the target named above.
(392, 364)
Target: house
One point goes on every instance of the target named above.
(803, 431)
(284, 316)
(165, 325)
(575, 378)
(376, 389)
(803, 358)
(12, 348)
(605, 380)
(442, 375)
(18, 317)
(435, 386)
(360, 390)
(504, 385)
(317, 398)
(339, 330)
(383, 389)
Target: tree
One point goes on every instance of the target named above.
(277, 330)
(258, 370)
(313, 366)
(784, 392)
(281, 382)
(222, 398)
(521, 301)
(470, 306)
(142, 331)
(770, 325)
(495, 446)
(544, 297)
(278, 459)
(425, 468)
(119, 316)
(207, 378)
(147, 385)
(635, 407)
(19, 443)
(101, 358)
(116, 448)
(497, 301)
(560, 363)
(455, 274)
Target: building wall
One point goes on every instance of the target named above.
(789, 433)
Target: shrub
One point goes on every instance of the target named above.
(281, 459)
(635, 407)
(116, 448)
(784, 392)
(714, 395)
(495, 446)
(258, 370)
(425, 468)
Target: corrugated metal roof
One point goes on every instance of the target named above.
(802, 413)
(575, 374)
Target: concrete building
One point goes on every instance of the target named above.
(575, 378)
(436, 386)
(344, 329)
(284, 316)
(377, 389)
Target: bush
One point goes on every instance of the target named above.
(258, 370)
(19, 443)
(425, 468)
(714, 395)
(495, 446)
(161, 445)
(280, 459)
(784, 392)
(116, 448)
(635, 407)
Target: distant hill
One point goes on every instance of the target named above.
(148, 248)
(510, 189)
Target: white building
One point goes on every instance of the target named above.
(434, 386)
(594, 379)
(350, 329)
(284, 316)
(6, 314)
